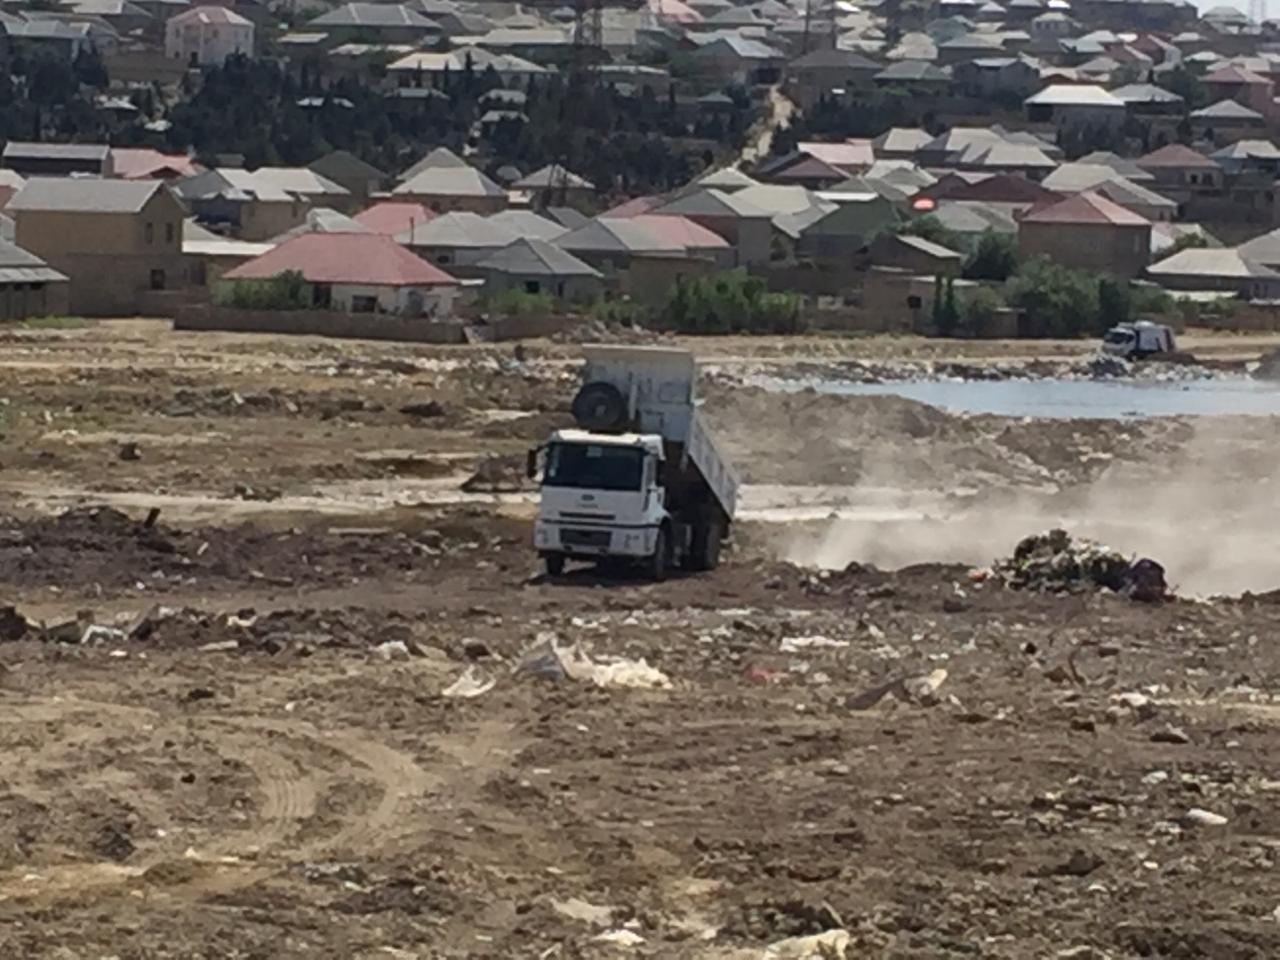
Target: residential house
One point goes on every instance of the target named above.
(743, 60)
(916, 254)
(533, 266)
(1260, 157)
(696, 239)
(391, 218)
(426, 69)
(10, 183)
(526, 223)
(50, 37)
(357, 273)
(818, 165)
(29, 287)
(358, 177)
(973, 218)
(995, 78)
(1052, 23)
(322, 220)
(846, 227)
(262, 203)
(969, 46)
(458, 241)
(450, 188)
(819, 72)
(1005, 189)
(549, 46)
(554, 184)
(1001, 157)
(206, 36)
(1180, 172)
(387, 22)
(122, 16)
(1087, 232)
(1076, 106)
(1126, 167)
(1231, 82)
(143, 163)
(1264, 250)
(1147, 101)
(210, 255)
(745, 226)
(641, 259)
(610, 244)
(726, 180)
(1225, 122)
(1073, 178)
(114, 239)
(1202, 269)
(57, 159)
(917, 75)
(900, 143)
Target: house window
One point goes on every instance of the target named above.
(157, 278)
(149, 233)
(444, 258)
(168, 233)
(1193, 178)
(532, 287)
(363, 304)
(914, 302)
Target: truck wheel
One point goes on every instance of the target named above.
(704, 551)
(658, 562)
(555, 564)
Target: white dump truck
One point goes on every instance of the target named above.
(1133, 341)
(640, 478)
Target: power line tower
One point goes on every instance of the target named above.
(584, 57)
(1258, 10)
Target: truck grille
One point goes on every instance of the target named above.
(602, 517)
(598, 539)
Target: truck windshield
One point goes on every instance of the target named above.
(594, 466)
(1119, 336)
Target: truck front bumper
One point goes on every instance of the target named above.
(583, 541)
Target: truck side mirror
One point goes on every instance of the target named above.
(531, 464)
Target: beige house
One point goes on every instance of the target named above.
(1087, 232)
(115, 239)
(207, 36)
(29, 287)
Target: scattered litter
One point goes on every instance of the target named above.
(796, 644)
(831, 945)
(469, 685)
(576, 909)
(392, 650)
(96, 633)
(554, 662)
(1055, 562)
(620, 938)
(920, 689)
(219, 646)
(1203, 818)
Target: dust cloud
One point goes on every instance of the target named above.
(1199, 495)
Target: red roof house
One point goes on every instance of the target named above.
(1087, 231)
(143, 163)
(394, 217)
(357, 272)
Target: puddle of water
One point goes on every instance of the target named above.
(1068, 399)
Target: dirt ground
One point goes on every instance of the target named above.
(229, 733)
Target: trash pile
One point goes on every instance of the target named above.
(1055, 562)
(1268, 367)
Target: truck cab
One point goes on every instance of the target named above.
(641, 477)
(1133, 341)
(601, 496)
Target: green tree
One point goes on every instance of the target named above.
(1114, 305)
(994, 258)
(978, 311)
(1188, 241)
(929, 227)
(729, 302)
(1057, 302)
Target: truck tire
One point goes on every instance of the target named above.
(600, 406)
(658, 561)
(704, 551)
(555, 564)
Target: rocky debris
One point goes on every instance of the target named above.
(600, 331)
(921, 689)
(1054, 562)
(13, 625)
(498, 475)
(1171, 734)
(129, 451)
(1268, 367)
(424, 409)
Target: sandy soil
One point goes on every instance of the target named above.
(265, 763)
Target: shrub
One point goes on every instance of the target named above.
(729, 302)
(288, 291)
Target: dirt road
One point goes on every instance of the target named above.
(264, 762)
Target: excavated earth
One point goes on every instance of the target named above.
(233, 729)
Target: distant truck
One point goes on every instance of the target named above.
(1133, 341)
(641, 478)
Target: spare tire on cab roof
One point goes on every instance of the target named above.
(600, 406)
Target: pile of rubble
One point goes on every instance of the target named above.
(1054, 562)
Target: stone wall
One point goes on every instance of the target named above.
(329, 323)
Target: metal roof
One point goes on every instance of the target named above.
(84, 195)
(462, 181)
(532, 257)
(1074, 95)
(56, 151)
(345, 258)
(459, 229)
